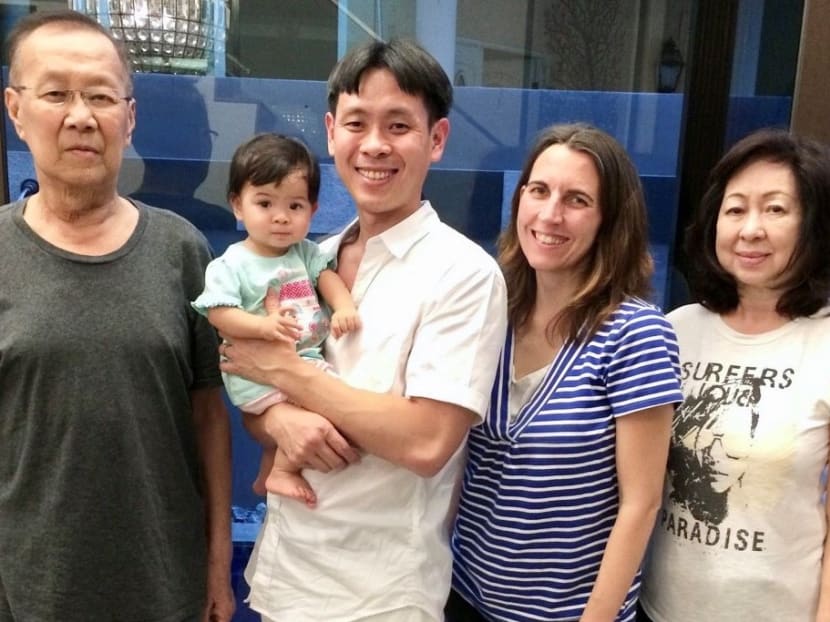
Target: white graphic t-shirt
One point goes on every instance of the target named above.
(741, 531)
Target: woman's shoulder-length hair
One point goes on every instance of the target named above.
(618, 265)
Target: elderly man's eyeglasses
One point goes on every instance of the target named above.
(95, 99)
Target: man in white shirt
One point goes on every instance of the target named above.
(412, 381)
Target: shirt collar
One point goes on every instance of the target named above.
(403, 236)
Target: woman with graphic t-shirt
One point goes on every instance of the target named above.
(565, 475)
(742, 531)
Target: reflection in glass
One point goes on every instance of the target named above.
(164, 36)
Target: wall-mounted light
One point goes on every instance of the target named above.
(670, 67)
(166, 36)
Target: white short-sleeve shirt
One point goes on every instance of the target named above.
(433, 307)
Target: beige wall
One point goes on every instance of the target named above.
(811, 115)
(575, 44)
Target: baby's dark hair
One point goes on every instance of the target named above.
(268, 159)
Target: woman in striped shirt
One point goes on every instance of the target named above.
(565, 476)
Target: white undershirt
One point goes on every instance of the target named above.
(522, 390)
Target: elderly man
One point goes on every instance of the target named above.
(114, 441)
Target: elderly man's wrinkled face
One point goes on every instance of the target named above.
(69, 103)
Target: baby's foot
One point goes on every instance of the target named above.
(289, 484)
(259, 486)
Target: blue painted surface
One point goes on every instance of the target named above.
(241, 554)
(188, 127)
(747, 114)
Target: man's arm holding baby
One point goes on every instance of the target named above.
(306, 438)
(419, 434)
(452, 361)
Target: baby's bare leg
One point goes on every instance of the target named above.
(284, 479)
(266, 463)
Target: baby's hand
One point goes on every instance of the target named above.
(344, 321)
(280, 327)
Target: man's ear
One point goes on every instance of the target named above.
(131, 120)
(439, 133)
(12, 101)
(329, 118)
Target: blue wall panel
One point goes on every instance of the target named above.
(188, 127)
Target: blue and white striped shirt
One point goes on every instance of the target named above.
(540, 492)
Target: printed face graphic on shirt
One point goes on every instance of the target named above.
(741, 438)
(713, 434)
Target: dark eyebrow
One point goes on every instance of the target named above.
(766, 195)
(360, 110)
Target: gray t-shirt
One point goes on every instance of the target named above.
(101, 514)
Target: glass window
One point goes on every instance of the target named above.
(233, 68)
